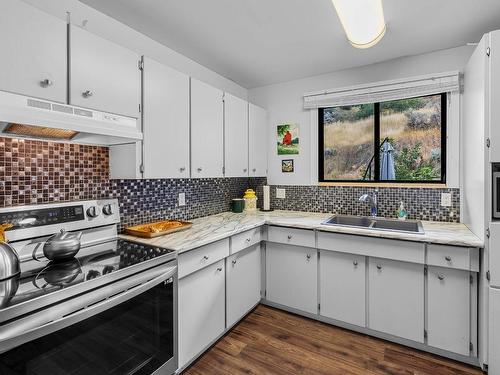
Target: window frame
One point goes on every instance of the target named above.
(376, 141)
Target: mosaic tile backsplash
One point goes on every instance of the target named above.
(421, 203)
(35, 172)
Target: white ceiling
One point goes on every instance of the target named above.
(260, 42)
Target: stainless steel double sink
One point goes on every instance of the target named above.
(392, 225)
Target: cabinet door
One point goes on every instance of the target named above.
(396, 298)
(342, 287)
(243, 283)
(201, 310)
(494, 331)
(103, 75)
(257, 141)
(494, 99)
(207, 130)
(235, 136)
(165, 121)
(291, 276)
(448, 313)
(33, 46)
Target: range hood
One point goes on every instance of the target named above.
(22, 116)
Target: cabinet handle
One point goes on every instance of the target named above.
(87, 94)
(308, 256)
(441, 277)
(254, 170)
(46, 83)
(289, 236)
(205, 257)
(182, 169)
(248, 239)
(234, 262)
(199, 170)
(244, 170)
(448, 258)
(219, 269)
(379, 267)
(355, 263)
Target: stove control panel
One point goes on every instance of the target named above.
(43, 216)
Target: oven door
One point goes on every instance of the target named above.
(127, 327)
(496, 195)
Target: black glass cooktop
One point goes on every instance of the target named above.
(42, 277)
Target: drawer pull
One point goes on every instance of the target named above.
(379, 267)
(248, 239)
(87, 94)
(441, 277)
(205, 257)
(289, 236)
(448, 258)
(219, 269)
(234, 262)
(46, 83)
(308, 256)
(355, 263)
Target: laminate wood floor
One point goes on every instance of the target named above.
(270, 341)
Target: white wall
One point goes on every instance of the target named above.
(108, 28)
(284, 103)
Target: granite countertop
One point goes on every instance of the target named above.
(216, 227)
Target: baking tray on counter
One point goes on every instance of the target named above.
(158, 228)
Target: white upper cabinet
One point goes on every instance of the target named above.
(207, 130)
(235, 136)
(494, 91)
(103, 75)
(165, 121)
(33, 47)
(257, 141)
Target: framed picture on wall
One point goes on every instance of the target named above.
(287, 166)
(288, 139)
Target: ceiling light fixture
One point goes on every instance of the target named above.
(362, 20)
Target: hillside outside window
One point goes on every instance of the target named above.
(394, 141)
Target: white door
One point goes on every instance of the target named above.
(201, 310)
(342, 287)
(242, 283)
(235, 136)
(494, 332)
(448, 315)
(257, 141)
(396, 298)
(33, 48)
(292, 276)
(165, 121)
(494, 91)
(207, 130)
(494, 254)
(103, 75)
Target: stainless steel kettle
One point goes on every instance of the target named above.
(62, 246)
(9, 262)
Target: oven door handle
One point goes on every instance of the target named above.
(82, 307)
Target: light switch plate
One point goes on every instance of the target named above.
(280, 193)
(182, 199)
(446, 199)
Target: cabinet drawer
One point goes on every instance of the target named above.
(452, 257)
(243, 240)
(405, 251)
(297, 237)
(194, 260)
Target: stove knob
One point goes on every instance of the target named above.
(108, 210)
(93, 211)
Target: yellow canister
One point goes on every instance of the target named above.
(250, 200)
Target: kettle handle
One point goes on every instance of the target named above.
(33, 255)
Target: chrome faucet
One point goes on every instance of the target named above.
(371, 198)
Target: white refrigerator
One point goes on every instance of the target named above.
(480, 146)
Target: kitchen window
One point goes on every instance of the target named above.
(400, 141)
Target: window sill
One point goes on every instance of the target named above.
(386, 184)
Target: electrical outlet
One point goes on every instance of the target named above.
(446, 199)
(280, 193)
(182, 199)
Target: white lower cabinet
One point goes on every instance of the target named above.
(242, 283)
(448, 301)
(292, 276)
(396, 298)
(342, 287)
(201, 310)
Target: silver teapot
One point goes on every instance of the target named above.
(62, 246)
